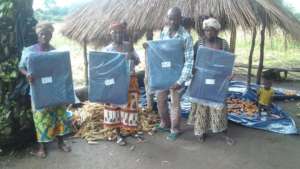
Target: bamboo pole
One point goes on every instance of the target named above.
(250, 62)
(262, 53)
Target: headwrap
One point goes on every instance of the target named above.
(211, 22)
(44, 26)
(117, 26)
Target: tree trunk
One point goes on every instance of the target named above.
(86, 80)
(251, 56)
(261, 57)
(233, 39)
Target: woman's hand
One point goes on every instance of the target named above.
(176, 86)
(145, 45)
(230, 77)
(29, 77)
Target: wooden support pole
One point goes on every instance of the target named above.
(262, 54)
(233, 39)
(285, 42)
(250, 62)
(85, 63)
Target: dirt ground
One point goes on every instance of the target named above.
(255, 149)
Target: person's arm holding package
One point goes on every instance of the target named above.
(188, 64)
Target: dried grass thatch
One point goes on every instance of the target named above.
(91, 22)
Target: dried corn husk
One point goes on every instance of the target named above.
(90, 118)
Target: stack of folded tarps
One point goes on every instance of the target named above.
(53, 83)
(165, 62)
(109, 78)
(210, 82)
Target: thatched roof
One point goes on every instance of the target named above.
(91, 22)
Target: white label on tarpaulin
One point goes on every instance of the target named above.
(219, 66)
(166, 64)
(109, 82)
(210, 81)
(47, 80)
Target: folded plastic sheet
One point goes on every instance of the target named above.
(210, 82)
(109, 78)
(53, 83)
(279, 121)
(165, 63)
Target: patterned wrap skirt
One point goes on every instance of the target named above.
(207, 119)
(125, 117)
(50, 123)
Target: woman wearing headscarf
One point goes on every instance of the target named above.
(206, 118)
(50, 123)
(122, 122)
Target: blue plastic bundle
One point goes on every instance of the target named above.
(53, 83)
(279, 122)
(165, 63)
(210, 82)
(109, 78)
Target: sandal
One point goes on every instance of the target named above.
(172, 136)
(157, 127)
(121, 141)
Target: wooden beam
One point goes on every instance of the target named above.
(250, 62)
(262, 53)
(233, 39)
(85, 63)
(246, 66)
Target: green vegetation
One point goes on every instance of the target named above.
(54, 13)
(16, 126)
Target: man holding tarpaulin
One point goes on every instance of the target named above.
(171, 120)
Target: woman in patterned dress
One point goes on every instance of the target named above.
(126, 116)
(206, 118)
(52, 122)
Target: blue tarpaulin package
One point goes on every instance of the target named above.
(165, 62)
(210, 82)
(109, 78)
(279, 121)
(53, 83)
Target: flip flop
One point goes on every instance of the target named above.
(172, 136)
(161, 129)
(121, 141)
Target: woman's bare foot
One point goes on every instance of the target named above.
(201, 138)
(63, 147)
(40, 152)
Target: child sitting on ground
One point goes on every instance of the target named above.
(265, 97)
